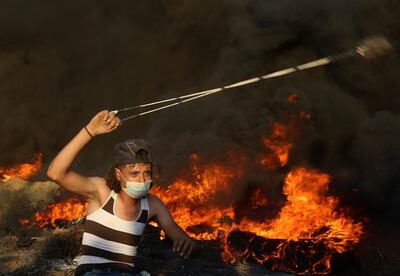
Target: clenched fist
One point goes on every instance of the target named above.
(103, 122)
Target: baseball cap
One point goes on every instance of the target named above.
(128, 152)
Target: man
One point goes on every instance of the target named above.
(118, 207)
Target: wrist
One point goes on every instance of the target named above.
(89, 132)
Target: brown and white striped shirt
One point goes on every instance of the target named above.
(109, 241)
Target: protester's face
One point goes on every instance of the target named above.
(139, 172)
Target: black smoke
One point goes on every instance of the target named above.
(61, 62)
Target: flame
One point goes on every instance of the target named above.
(310, 217)
(310, 223)
(258, 199)
(309, 214)
(193, 203)
(309, 209)
(22, 171)
(69, 210)
(279, 145)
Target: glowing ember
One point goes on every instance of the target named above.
(292, 97)
(69, 210)
(22, 171)
(26, 222)
(305, 115)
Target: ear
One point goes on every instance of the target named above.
(117, 174)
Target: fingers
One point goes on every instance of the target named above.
(102, 115)
(106, 115)
(104, 122)
(187, 248)
(184, 247)
(190, 249)
(176, 247)
(114, 124)
(110, 116)
(111, 120)
(115, 121)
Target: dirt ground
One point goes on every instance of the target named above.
(55, 252)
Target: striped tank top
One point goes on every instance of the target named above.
(111, 242)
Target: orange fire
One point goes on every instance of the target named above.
(308, 209)
(308, 215)
(258, 199)
(280, 145)
(195, 202)
(22, 171)
(69, 210)
(310, 223)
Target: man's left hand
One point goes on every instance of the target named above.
(184, 246)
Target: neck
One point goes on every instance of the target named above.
(127, 200)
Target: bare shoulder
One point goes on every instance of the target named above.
(154, 201)
(156, 205)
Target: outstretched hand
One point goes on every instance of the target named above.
(103, 122)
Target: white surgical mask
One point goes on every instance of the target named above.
(136, 189)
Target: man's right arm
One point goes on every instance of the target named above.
(58, 170)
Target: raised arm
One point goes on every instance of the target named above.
(102, 122)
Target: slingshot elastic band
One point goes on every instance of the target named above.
(369, 48)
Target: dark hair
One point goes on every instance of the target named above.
(112, 182)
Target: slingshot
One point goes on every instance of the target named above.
(369, 48)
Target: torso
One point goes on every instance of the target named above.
(109, 230)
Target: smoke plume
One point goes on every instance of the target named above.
(62, 62)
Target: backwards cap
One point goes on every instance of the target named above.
(127, 152)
